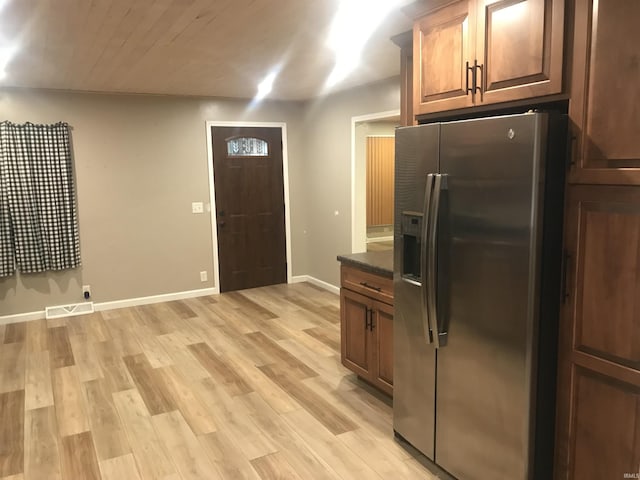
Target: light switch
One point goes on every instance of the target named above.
(197, 207)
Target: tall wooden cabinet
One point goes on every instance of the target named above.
(598, 420)
(598, 415)
(478, 52)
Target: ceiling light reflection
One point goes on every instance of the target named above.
(352, 26)
(6, 54)
(265, 87)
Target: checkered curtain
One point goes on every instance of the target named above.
(38, 222)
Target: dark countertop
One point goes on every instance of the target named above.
(380, 263)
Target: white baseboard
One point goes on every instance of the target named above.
(317, 282)
(129, 302)
(21, 317)
(167, 297)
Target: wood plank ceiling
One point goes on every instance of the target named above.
(184, 47)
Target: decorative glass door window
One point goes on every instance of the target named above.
(247, 147)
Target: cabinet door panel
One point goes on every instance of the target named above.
(383, 337)
(443, 44)
(354, 311)
(605, 95)
(513, 28)
(598, 405)
(520, 45)
(609, 266)
(606, 424)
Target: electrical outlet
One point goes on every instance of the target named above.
(86, 292)
(197, 207)
(203, 276)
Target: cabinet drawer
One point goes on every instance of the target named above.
(369, 284)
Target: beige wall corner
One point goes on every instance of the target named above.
(327, 165)
(139, 162)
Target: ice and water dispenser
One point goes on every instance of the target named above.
(411, 246)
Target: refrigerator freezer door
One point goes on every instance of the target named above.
(414, 358)
(484, 383)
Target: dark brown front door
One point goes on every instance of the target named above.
(249, 187)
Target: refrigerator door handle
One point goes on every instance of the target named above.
(439, 183)
(424, 290)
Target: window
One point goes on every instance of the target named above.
(247, 147)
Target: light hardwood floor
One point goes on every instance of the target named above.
(244, 385)
(380, 246)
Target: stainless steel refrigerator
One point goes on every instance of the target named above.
(477, 280)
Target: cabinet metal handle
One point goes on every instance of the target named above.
(565, 273)
(366, 318)
(366, 285)
(481, 82)
(571, 151)
(468, 69)
(474, 79)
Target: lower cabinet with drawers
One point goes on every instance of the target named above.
(366, 315)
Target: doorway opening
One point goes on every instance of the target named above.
(249, 198)
(372, 166)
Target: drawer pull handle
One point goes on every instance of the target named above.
(366, 285)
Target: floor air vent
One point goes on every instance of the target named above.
(69, 310)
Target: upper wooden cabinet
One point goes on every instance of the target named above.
(475, 52)
(605, 94)
(443, 47)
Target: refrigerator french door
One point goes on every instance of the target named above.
(476, 280)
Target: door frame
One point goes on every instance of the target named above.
(212, 190)
(359, 202)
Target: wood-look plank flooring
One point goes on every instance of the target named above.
(245, 385)
(380, 246)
